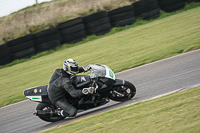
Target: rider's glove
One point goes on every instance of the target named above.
(86, 68)
(89, 90)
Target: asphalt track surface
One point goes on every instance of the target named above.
(151, 80)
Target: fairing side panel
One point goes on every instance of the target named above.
(119, 82)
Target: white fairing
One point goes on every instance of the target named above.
(98, 71)
(35, 98)
(109, 73)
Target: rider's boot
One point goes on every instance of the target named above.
(61, 113)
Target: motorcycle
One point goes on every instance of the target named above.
(99, 87)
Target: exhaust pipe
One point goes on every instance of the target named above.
(44, 113)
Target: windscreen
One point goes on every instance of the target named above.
(97, 71)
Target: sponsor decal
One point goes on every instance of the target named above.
(35, 91)
(83, 79)
(111, 74)
(35, 98)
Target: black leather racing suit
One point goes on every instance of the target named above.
(59, 85)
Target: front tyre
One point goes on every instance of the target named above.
(47, 107)
(123, 92)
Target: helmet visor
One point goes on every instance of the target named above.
(74, 68)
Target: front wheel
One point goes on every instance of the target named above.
(123, 92)
(47, 107)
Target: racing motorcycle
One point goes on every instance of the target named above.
(99, 87)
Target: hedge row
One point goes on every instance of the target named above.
(77, 29)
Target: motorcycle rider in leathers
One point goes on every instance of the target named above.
(60, 84)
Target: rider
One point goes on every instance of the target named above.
(60, 84)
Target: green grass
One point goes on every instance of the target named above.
(121, 50)
(174, 113)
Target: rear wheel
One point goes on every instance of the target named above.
(48, 118)
(123, 92)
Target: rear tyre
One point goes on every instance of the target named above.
(47, 107)
(123, 92)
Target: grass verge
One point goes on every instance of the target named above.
(121, 50)
(178, 112)
(48, 14)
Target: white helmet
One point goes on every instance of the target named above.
(70, 66)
